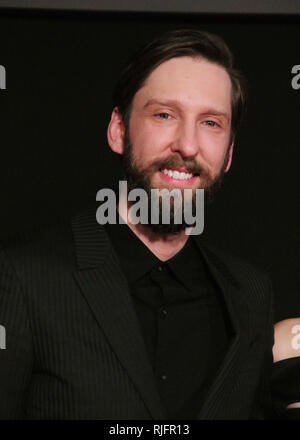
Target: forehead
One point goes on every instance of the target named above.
(191, 81)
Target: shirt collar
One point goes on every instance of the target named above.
(136, 259)
(186, 264)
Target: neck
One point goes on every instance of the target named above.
(164, 246)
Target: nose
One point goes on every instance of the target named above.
(186, 142)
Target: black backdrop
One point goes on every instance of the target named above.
(61, 69)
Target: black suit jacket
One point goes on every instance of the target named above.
(74, 349)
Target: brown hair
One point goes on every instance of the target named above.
(173, 44)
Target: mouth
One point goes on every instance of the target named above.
(178, 176)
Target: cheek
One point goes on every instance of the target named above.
(147, 142)
(213, 150)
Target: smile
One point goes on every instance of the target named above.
(177, 175)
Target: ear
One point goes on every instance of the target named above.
(229, 157)
(116, 132)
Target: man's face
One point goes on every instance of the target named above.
(179, 127)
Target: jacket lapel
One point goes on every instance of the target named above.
(238, 315)
(104, 286)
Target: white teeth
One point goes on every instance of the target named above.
(177, 174)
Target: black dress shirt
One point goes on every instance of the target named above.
(182, 319)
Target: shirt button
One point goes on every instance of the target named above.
(159, 268)
(163, 377)
(163, 312)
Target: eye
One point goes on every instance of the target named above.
(212, 123)
(163, 115)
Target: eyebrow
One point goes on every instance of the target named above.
(171, 102)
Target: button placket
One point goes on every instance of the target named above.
(161, 278)
(162, 374)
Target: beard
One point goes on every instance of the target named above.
(141, 179)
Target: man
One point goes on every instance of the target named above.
(137, 320)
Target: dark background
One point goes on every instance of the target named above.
(61, 68)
